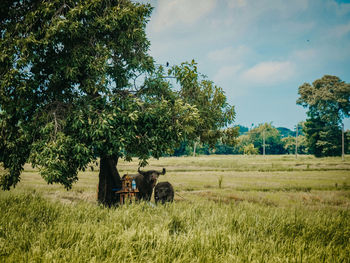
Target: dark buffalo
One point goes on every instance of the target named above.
(163, 192)
(145, 182)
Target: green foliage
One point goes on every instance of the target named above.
(183, 149)
(251, 142)
(242, 141)
(273, 144)
(210, 100)
(242, 129)
(302, 145)
(327, 98)
(289, 144)
(229, 136)
(221, 148)
(12, 141)
(285, 132)
(250, 149)
(322, 139)
(59, 159)
(276, 141)
(328, 102)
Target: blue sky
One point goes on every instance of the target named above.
(259, 52)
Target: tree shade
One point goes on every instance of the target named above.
(77, 84)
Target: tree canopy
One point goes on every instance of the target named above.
(328, 102)
(77, 84)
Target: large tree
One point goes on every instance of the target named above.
(328, 102)
(77, 84)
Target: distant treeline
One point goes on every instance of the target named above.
(278, 140)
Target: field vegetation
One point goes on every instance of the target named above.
(226, 209)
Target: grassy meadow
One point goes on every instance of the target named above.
(226, 209)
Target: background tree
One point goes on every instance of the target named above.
(285, 132)
(242, 142)
(289, 140)
(273, 143)
(250, 149)
(221, 148)
(289, 144)
(242, 129)
(183, 149)
(328, 102)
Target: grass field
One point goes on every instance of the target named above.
(226, 209)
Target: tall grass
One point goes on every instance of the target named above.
(224, 215)
(35, 229)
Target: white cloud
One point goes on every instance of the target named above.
(305, 54)
(255, 9)
(230, 53)
(180, 12)
(341, 30)
(227, 73)
(341, 9)
(270, 72)
(236, 3)
(253, 48)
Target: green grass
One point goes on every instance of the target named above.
(226, 209)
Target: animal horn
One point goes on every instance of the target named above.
(140, 172)
(164, 171)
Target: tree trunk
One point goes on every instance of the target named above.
(109, 181)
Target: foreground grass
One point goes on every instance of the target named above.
(266, 209)
(35, 229)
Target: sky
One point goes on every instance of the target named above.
(258, 52)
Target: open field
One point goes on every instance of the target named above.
(226, 209)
